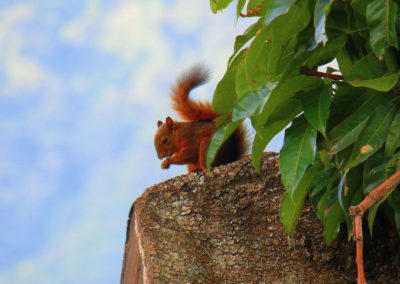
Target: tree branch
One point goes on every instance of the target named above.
(358, 211)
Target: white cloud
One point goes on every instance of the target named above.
(83, 227)
(78, 30)
(135, 32)
(86, 242)
(21, 71)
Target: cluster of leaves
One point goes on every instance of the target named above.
(343, 135)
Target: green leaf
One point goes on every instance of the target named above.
(239, 7)
(393, 165)
(374, 172)
(381, 19)
(241, 40)
(243, 85)
(250, 103)
(276, 122)
(297, 153)
(316, 107)
(373, 135)
(334, 216)
(320, 190)
(373, 210)
(394, 202)
(219, 5)
(359, 10)
(264, 59)
(347, 132)
(341, 189)
(258, 56)
(325, 54)
(371, 73)
(339, 18)
(384, 83)
(253, 4)
(224, 97)
(220, 136)
(346, 101)
(368, 67)
(283, 92)
(374, 175)
(344, 61)
(275, 8)
(393, 138)
(324, 199)
(292, 205)
(321, 12)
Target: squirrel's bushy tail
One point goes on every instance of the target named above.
(186, 108)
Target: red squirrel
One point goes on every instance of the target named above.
(186, 142)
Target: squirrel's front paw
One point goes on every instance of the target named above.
(165, 164)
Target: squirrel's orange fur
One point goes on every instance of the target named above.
(187, 142)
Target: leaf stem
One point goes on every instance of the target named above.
(310, 72)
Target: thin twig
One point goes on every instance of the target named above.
(358, 211)
(310, 72)
(358, 238)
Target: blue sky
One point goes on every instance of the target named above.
(82, 86)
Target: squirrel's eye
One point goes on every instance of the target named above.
(164, 140)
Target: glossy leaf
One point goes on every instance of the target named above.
(346, 101)
(250, 103)
(325, 202)
(276, 122)
(220, 136)
(374, 175)
(374, 172)
(283, 92)
(265, 52)
(347, 132)
(393, 138)
(225, 93)
(344, 61)
(381, 18)
(292, 204)
(373, 135)
(243, 84)
(276, 8)
(368, 67)
(239, 7)
(334, 216)
(383, 83)
(254, 4)
(394, 203)
(325, 54)
(219, 5)
(298, 152)
(371, 73)
(316, 107)
(342, 189)
(356, 116)
(321, 12)
(244, 38)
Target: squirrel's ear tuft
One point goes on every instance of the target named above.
(159, 123)
(170, 123)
